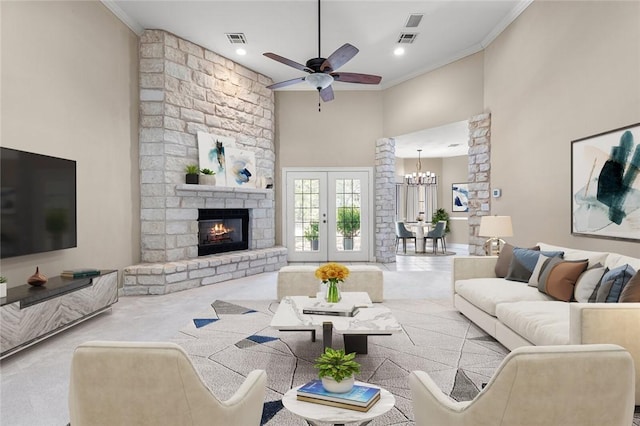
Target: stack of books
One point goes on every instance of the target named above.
(334, 309)
(80, 273)
(360, 398)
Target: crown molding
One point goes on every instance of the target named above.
(505, 22)
(121, 15)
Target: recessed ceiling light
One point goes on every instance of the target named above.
(241, 51)
(398, 51)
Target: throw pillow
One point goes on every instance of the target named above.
(558, 277)
(504, 260)
(533, 280)
(524, 262)
(611, 285)
(631, 292)
(587, 283)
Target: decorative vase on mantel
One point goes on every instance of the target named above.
(208, 180)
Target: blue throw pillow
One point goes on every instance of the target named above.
(524, 262)
(612, 283)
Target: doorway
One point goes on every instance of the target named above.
(326, 214)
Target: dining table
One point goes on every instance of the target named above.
(420, 228)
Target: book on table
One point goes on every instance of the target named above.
(336, 309)
(80, 273)
(359, 398)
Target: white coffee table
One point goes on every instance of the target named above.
(371, 319)
(337, 416)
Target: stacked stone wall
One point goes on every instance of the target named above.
(184, 89)
(385, 200)
(479, 178)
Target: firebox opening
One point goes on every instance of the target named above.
(222, 230)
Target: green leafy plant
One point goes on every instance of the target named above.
(336, 364)
(438, 215)
(3, 280)
(207, 172)
(348, 221)
(192, 169)
(311, 231)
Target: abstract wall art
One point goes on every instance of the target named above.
(241, 168)
(605, 185)
(460, 197)
(212, 155)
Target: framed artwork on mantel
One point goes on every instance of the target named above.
(459, 197)
(605, 185)
(212, 154)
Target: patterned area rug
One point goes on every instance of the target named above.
(232, 338)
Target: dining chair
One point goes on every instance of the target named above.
(436, 234)
(402, 233)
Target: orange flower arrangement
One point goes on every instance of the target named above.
(332, 273)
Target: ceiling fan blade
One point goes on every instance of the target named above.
(286, 61)
(339, 57)
(327, 94)
(286, 83)
(352, 77)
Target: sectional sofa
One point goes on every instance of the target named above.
(518, 314)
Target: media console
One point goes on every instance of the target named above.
(29, 314)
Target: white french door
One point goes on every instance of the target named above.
(326, 215)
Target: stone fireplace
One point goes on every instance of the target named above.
(186, 89)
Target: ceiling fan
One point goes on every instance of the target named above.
(323, 71)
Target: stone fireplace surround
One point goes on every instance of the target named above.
(180, 273)
(186, 89)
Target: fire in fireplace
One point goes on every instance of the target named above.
(222, 230)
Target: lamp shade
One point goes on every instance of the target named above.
(495, 226)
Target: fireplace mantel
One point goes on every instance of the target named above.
(211, 188)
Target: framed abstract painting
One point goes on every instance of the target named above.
(460, 197)
(605, 185)
(211, 150)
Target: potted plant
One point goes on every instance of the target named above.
(438, 215)
(3, 287)
(193, 173)
(208, 177)
(336, 370)
(348, 225)
(311, 234)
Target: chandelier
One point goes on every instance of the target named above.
(419, 177)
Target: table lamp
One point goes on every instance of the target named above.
(495, 227)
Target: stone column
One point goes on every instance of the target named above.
(385, 200)
(479, 178)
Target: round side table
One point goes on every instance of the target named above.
(312, 412)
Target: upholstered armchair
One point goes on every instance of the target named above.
(569, 385)
(151, 383)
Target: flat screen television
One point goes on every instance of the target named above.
(37, 203)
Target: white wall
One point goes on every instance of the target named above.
(69, 89)
(560, 72)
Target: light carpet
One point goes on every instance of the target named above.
(232, 338)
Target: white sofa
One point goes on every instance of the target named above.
(519, 315)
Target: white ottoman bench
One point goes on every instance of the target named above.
(301, 281)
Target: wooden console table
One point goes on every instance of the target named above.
(29, 314)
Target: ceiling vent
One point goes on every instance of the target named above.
(414, 20)
(407, 38)
(236, 38)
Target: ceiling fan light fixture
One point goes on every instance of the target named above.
(319, 80)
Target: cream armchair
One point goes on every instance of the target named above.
(151, 383)
(568, 385)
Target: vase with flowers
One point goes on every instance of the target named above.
(332, 274)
